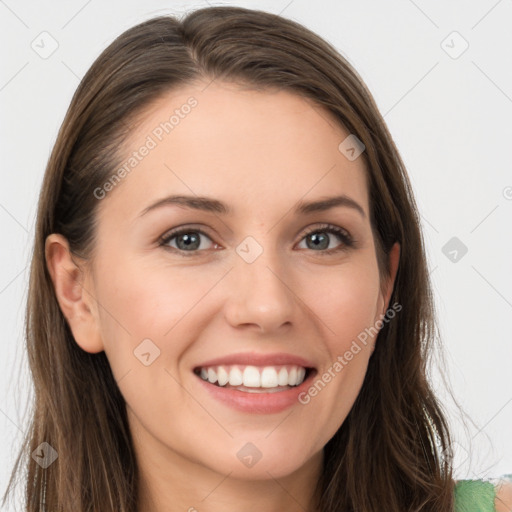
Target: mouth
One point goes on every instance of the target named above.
(256, 383)
(255, 379)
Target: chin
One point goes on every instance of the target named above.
(264, 459)
(265, 470)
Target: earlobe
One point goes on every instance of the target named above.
(75, 301)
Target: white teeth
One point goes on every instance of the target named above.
(282, 379)
(235, 377)
(292, 376)
(212, 375)
(222, 375)
(254, 376)
(268, 377)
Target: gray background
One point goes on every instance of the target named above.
(448, 108)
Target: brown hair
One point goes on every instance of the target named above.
(391, 453)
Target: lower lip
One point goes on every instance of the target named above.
(261, 402)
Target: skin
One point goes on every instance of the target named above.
(260, 153)
(503, 502)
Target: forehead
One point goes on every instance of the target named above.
(251, 148)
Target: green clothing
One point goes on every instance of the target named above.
(476, 495)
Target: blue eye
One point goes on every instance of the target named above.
(188, 240)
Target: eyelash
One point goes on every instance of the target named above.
(346, 239)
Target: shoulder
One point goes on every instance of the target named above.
(484, 495)
(503, 502)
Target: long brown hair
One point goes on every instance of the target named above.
(392, 451)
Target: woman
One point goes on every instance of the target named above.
(229, 303)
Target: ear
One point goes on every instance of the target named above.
(387, 289)
(74, 294)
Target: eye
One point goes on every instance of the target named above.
(319, 239)
(187, 239)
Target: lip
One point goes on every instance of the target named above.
(255, 359)
(258, 403)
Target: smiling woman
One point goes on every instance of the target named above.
(242, 319)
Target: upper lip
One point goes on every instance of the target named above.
(255, 359)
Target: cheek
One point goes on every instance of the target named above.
(346, 301)
(140, 303)
(148, 320)
(347, 311)
(333, 391)
(150, 297)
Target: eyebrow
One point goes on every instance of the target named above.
(208, 204)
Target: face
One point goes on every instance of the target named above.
(251, 288)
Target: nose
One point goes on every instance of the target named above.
(260, 294)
